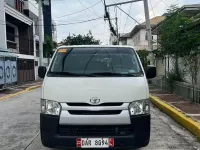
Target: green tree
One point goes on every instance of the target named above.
(170, 35)
(79, 39)
(176, 37)
(48, 46)
(143, 57)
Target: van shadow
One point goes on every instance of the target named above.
(98, 149)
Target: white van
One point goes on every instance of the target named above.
(95, 97)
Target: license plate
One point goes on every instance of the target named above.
(95, 142)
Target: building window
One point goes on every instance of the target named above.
(139, 38)
(12, 37)
(146, 37)
(124, 42)
(37, 48)
(11, 3)
(19, 5)
(10, 32)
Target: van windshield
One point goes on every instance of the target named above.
(95, 61)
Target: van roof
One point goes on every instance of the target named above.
(125, 46)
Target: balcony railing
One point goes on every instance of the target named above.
(12, 46)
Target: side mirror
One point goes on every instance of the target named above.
(151, 72)
(42, 71)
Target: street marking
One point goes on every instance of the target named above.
(21, 92)
(162, 94)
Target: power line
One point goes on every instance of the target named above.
(128, 14)
(156, 3)
(120, 14)
(165, 3)
(79, 22)
(153, 11)
(107, 16)
(88, 9)
(77, 11)
(127, 17)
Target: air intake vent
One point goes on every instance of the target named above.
(104, 112)
(86, 104)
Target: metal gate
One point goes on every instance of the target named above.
(8, 69)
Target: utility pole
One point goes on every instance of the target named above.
(40, 33)
(117, 31)
(148, 26)
(149, 35)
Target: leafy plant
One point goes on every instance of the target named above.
(143, 57)
(48, 46)
(174, 76)
(178, 38)
(79, 39)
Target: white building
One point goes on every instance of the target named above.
(19, 28)
(138, 36)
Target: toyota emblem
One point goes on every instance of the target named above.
(95, 100)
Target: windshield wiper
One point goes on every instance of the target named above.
(116, 74)
(70, 74)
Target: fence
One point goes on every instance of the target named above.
(182, 89)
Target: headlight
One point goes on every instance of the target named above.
(139, 107)
(50, 107)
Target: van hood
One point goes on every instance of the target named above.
(107, 89)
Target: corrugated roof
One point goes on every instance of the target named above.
(155, 20)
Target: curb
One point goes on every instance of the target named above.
(188, 123)
(21, 92)
(32, 87)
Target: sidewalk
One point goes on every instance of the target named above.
(20, 88)
(181, 110)
(189, 109)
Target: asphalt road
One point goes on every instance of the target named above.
(19, 127)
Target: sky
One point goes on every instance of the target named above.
(99, 27)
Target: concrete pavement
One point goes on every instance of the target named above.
(19, 126)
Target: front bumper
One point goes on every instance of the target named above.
(51, 136)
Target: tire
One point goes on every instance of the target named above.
(46, 142)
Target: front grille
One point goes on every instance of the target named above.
(86, 104)
(109, 130)
(103, 112)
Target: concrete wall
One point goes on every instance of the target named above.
(3, 43)
(165, 64)
(130, 42)
(32, 6)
